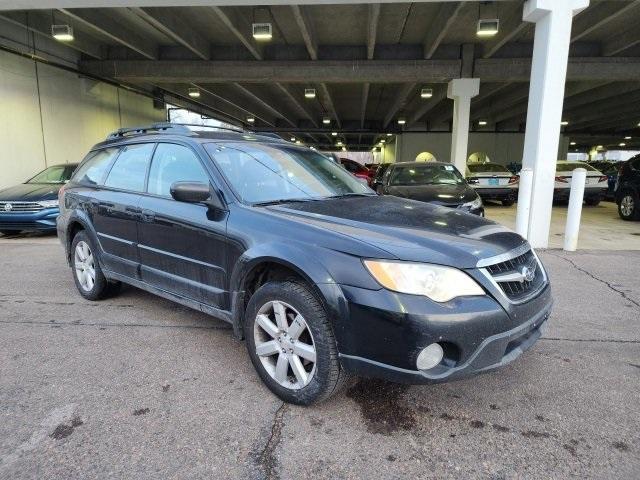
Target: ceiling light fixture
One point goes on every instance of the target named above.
(572, 143)
(334, 134)
(251, 119)
(627, 138)
(309, 93)
(389, 134)
(326, 120)
(293, 139)
(194, 92)
(62, 33)
(426, 93)
(383, 141)
(564, 123)
(488, 27)
(622, 144)
(344, 149)
(402, 121)
(339, 143)
(298, 142)
(262, 31)
(482, 123)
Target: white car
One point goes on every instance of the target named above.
(493, 182)
(595, 187)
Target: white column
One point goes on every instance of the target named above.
(553, 20)
(461, 90)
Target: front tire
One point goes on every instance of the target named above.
(87, 274)
(291, 343)
(628, 207)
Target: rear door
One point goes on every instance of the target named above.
(182, 245)
(116, 210)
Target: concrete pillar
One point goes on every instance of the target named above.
(461, 90)
(553, 20)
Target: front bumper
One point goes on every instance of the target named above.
(385, 339)
(42, 221)
(497, 193)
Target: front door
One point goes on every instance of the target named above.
(182, 246)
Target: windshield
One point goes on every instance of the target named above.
(57, 174)
(270, 173)
(425, 175)
(487, 167)
(571, 166)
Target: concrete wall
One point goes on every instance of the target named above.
(50, 116)
(502, 148)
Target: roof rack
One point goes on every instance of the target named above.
(165, 127)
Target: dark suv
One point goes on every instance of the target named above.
(627, 189)
(318, 274)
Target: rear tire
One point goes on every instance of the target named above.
(284, 319)
(87, 274)
(628, 207)
(592, 201)
(10, 232)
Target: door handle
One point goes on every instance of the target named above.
(148, 215)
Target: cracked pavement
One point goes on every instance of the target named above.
(139, 387)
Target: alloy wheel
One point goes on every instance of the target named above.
(626, 205)
(285, 345)
(84, 265)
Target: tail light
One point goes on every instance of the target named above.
(561, 180)
(514, 179)
(603, 178)
(361, 175)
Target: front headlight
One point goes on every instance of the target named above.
(49, 203)
(477, 203)
(439, 283)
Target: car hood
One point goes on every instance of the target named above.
(406, 229)
(438, 194)
(30, 192)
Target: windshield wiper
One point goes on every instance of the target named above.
(353, 194)
(283, 200)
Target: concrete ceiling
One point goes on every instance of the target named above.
(367, 63)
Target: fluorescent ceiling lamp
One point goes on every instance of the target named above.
(194, 92)
(326, 120)
(622, 144)
(627, 138)
(309, 93)
(402, 121)
(339, 143)
(599, 147)
(251, 119)
(293, 139)
(389, 134)
(298, 142)
(572, 143)
(344, 149)
(383, 141)
(262, 31)
(334, 134)
(482, 123)
(488, 27)
(62, 33)
(426, 93)
(564, 123)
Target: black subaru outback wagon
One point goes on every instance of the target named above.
(320, 276)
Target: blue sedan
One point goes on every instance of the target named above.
(33, 205)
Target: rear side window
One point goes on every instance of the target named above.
(94, 168)
(130, 170)
(173, 163)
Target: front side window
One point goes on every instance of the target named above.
(425, 175)
(173, 163)
(265, 173)
(94, 168)
(57, 174)
(130, 169)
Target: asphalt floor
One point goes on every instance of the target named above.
(139, 387)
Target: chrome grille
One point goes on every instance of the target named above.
(20, 207)
(510, 276)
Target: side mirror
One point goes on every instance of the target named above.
(196, 192)
(473, 181)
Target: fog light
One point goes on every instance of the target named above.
(430, 357)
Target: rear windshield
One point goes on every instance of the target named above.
(571, 166)
(425, 175)
(487, 167)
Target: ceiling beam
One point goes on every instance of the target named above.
(113, 29)
(598, 16)
(373, 13)
(446, 16)
(327, 102)
(621, 42)
(399, 103)
(306, 30)
(299, 106)
(40, 23)
(511, 27)
(268, 107)
(209, 101)
(175, 27)
(240, 112)
(240, 26)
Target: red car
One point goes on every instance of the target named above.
(356, 169)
